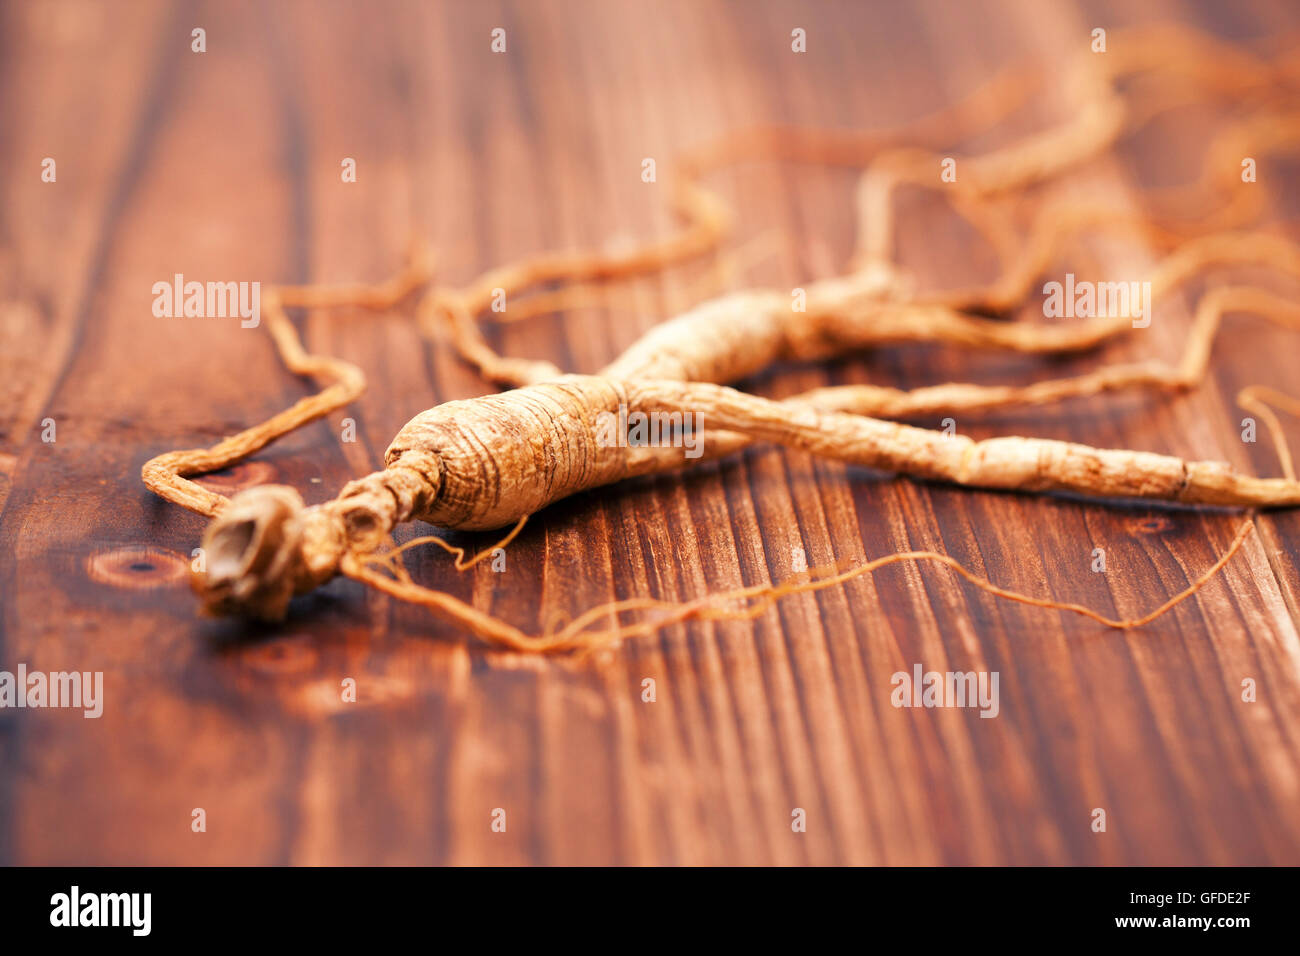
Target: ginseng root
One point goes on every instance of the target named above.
(468, 465)
(492, 461)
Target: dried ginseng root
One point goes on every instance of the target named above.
(464, 465)
(492, 461)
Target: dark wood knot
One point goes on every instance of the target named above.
(137, 567)
(286, 656)
(1155, 524)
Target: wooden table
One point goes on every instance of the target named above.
(226, 165)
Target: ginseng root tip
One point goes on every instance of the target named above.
(252, 554)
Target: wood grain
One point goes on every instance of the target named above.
(226, 165)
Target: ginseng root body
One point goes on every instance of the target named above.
(474, 464)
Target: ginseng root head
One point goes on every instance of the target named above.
(252, 554)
